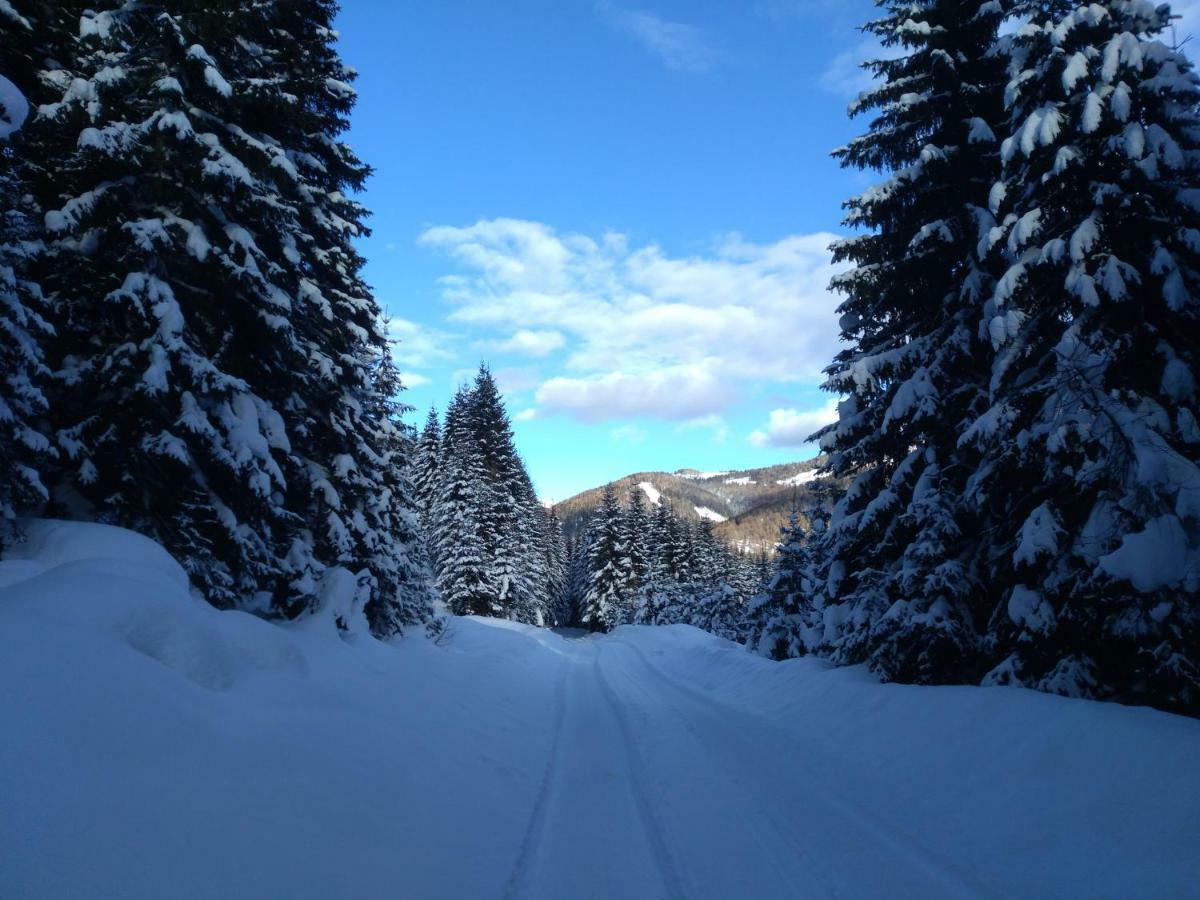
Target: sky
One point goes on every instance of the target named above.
(624, 209)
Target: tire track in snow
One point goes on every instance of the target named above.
(939, 868)
(536, 829)
(776, 840)
(637, 782)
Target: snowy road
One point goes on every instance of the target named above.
(653, 789)
(154, 747)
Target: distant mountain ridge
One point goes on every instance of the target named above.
(748, 506)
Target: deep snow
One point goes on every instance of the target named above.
(155, 747)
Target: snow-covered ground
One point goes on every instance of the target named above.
(652, 493)
(800, 478)
(711, 514)
(155, 747)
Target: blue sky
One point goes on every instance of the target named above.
(624, 209)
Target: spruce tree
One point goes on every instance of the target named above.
(463, 569)
(780, 618)
(608, 566)
(32, 34)
(897, 569)
(25, 450)
(1089, 486)
(223, 385)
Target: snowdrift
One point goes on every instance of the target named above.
(156, 747)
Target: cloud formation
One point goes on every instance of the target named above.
(644, 333)
(678, 46)
(530, 343)
(792, 427)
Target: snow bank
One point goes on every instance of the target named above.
(155, 746)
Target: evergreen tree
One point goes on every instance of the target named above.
(557, 552)
(463, 570)
(608, 566)
(427, 464)
(223, 389)
(780, 618)
(1089, 486)
(30, 32)
(25, 450)
(637, 526)
(897, 569)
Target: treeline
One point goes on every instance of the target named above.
(1022, 324)
(650, 567)
(188, 347)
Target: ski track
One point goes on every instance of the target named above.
(650, 822)
(535, 832)
(764, 750)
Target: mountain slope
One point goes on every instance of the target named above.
(747, 505)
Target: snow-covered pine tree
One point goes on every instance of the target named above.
(25, 451)
(1089, 484)
(897, 562)
(507, 492)
(30, 33)
(426, 467)
(636, 526)
(578, 571)
(608, 566)
(463, 569)
(779, 620)
(219, 352)
(557, 555)
(660, 585)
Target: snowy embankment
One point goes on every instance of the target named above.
(156, 747)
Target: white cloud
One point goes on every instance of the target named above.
(526, 415)
(413, 379)
(845, 76)
(416, 346)
(531, 343)
(680, 47)
(676, 393)
(646, 333)
(791, 427)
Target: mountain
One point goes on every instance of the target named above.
(747, 505)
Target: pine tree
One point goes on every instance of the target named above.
(1089, 484)
(780, 618)
(427, 462)
(25, 451)
(897, 563)
(561, 611)
(608, 566)
(29, 33)
(463, 571)
(222, 384)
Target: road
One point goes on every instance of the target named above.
(654, 789)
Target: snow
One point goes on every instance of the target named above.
(799, 478)
(652, 493)
(711, 514)
(701, 476)
(152, 741)
(14, 108)
(744, 480)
